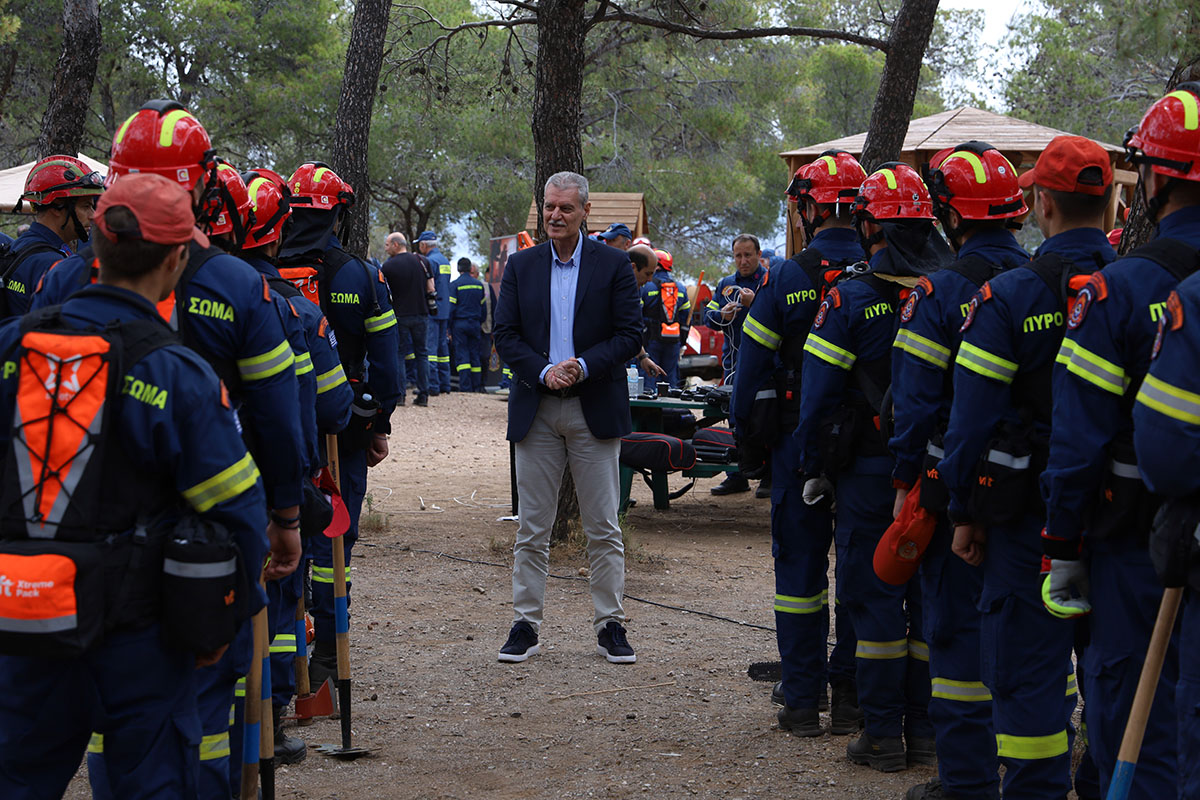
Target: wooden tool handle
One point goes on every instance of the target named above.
(302, 687)
(253, 707)
(1135, 728)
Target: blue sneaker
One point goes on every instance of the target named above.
(522, 643)
(612, 644)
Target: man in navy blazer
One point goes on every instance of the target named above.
(567, 323)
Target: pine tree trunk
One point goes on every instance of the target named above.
(65, 119)
(352, 133)
(898, 84)
(568, 509)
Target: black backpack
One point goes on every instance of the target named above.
(9, 261)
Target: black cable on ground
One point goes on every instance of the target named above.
(581, 578)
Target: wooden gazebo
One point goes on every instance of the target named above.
(1021, 143)
(607, 208)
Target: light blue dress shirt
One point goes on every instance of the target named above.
(564, 278)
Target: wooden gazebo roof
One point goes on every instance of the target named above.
(607, 208)
(1021, 143)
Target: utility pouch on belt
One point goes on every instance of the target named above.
(1006, 486)
(316, 512)
(934, 495)
(1174, 547)
(205, 596)
(1125, 506)
(837, 437)
(357, 435)
(51, 597)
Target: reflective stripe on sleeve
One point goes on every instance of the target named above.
(214, 746)
(925, 349)
(1072, 685)
(1170, 400)
(986, 364)
(257, 368)
(918, 650)
(1064, 352)
(1008, 459)
(882, 650)
(325, 574)
(761, 333)
(1096, 370)
(96, 743)
(284, 643)
(226, 484)
(381, 323)
(303, 362)
(787, 604)
(330, 380)
(827, 351)
(960, 691)
(1031, 748)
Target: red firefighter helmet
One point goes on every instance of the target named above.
(58, 178)
(1168, 137)
(664, 259)
(315, 185)
(833, 178)
(894, 191)
(271, 175)
(977, 181)
(270, 206)
(233, 216)
(162, 137)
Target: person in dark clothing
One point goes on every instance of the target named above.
(410, 278)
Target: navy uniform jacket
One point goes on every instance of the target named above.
(325, 394)
(441, 281)
(783, 310)
(653, 310)
(30, 271)
(189, 433)
(5, 238)
(468, 303)
(60, 282)
(853, 323)
(926, 343)
(607, 334)
(733, 328)
(1105, 357)
(1166, 416)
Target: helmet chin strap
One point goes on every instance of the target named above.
(1154, 205)
(811, 226)
(953, 232)
(865, 241)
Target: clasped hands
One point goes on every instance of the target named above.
(564, 374)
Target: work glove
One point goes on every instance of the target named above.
(1065, 588)
(815, 489)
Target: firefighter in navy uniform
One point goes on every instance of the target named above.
(63, 192)
(354, 297)
(1005, 383)
(1092, 485)
(846, 374)
(438, 342)
(769, 365)
(667, 310)
(468, 305)
(180, 449)
(976, 198)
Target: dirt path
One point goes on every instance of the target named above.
(448, 721)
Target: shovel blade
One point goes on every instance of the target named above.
(344, 753)
(319, 704)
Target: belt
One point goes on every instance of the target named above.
(571, 391)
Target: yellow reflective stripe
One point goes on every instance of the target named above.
(233, 708)
(124, 127)
(284, 643)
(761, 333)
(330, 380)
(239, 689)
(325, 574)
(303, 362)
(96, 743)
(828, 351)
(214, 746)
(273, 362)
(461, 367)
(1170, 400)
(881, 650)
(786, 604)
(1072, 685)
(226, 484)
(411, 357)
(889, 176)
(453, 299)
(166, 134)
(986, 364)
(923, 348)
(712, 306)
(381, 323)
(918, 650)
(320, 173)
(1031, 748)
(652, 293)
(444, 269)
(1064, 352)
(960, 691)
(830, 164)
(973, 160)
(1083, 734)
(1096, 370)
(1191, 110)
(253, 189)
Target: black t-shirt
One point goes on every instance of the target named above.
(406, 274)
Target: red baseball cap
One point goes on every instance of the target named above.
(899, 552)
(161, 209)
(1061, 164)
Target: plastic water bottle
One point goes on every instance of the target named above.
(631, 381)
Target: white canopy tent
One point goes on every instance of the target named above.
(12, 182)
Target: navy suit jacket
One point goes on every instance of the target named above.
(607, 331)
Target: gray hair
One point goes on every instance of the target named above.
(565, 180)
(398, 238)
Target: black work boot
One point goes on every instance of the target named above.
(288, 749)
(777, 698)
(930, 790)
(800, 721)
(921, 750)
(845, 717)
(885, 753)
(734, 482)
